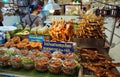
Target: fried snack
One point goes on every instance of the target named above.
(33, 44)
(7, 44)
(36, 45)
(21, 45)
(25, 40)
(91, 26)
(12, 42)
(15, 39)
(61, 31)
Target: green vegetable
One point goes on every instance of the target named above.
(28, 62)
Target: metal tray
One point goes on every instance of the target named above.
(89, 42)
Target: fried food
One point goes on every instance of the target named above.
(61, 31)
(100, 64)
(91, 26)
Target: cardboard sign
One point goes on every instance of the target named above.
(37, 38)
(58, 46)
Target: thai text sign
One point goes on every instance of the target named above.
(37, 38)
(58, 46)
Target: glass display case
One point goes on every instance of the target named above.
(72, 9)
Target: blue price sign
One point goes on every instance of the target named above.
(37, 38)
(58, 46)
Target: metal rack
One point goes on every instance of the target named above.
(113, 29)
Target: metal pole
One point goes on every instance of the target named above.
(113, 30)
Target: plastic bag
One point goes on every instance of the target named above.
(34, 30)
(42, 30)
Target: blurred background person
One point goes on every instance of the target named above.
(33, 19)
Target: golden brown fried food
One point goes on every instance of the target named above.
(25, 40)
(16, 39)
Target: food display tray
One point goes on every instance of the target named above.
(33, 73)
(88, 73)
(89, 42)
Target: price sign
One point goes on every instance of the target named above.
(37, 38)
(58, 46)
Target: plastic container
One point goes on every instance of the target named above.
(69, 66)
(34, 52)
(3, 48)
(46, 54)
(41, 64)
(4, 60)
(13, 51)
(70, 56)
(2, 52)
(57, 54)
(55, 65)
(16, 62)
(28, 63)
(24, 52)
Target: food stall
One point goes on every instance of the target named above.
(65, 49)
(70, 46)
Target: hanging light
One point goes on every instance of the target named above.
(51, 6)
(5, 0)
(76, 2)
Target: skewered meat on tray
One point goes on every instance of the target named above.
(98, 63)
